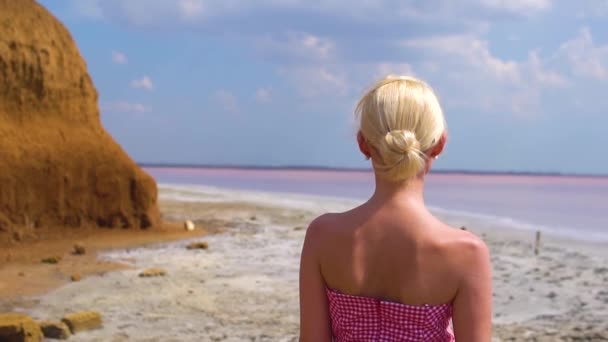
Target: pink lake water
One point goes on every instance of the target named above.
(575, 207)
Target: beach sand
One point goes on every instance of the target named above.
(244, 287)
(23, 274)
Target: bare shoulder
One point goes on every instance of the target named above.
(465, 248)
(323, 221)
(319, 227)
(317, 231)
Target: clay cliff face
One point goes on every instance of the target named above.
(58, 166)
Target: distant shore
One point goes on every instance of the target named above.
(346, 169)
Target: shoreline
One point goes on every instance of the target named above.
(348, 169)
(193, 192)
(244, 287)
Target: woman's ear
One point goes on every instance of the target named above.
(363, 145)
(438, 148)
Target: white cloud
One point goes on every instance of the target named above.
(586, 58)
(191, 9)
(387, 68)
(313, 81)
(263, 95)
(339, 61)
(535, 67)
(470, 12)
(119, 58)
(124, 107)
(337, 80)
(593, 8)
(517, 6)
(461, 65)
(471, 51)
(143, 83)
(296, 45)
(473, 77)
(226, 100)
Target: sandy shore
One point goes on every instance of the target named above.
(244, 287)
(23, 274)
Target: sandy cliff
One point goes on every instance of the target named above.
(58, 166)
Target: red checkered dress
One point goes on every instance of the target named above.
(357, 319)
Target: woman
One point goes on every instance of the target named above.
(389, 270)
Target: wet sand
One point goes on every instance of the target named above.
(244, 286)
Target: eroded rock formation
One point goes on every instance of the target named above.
(58, 166)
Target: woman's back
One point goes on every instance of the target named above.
(393, 271)
(394, 252)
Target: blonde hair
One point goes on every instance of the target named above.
(400, 117)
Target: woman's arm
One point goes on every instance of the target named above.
(315, 323)
(473, 303)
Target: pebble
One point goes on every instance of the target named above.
(189, 225)
(198, 245)
(153, 272)
(51, 260)
(79, 249)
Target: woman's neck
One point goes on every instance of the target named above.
(410, 191)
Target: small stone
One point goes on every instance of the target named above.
(51, 260)
(198, 245)
(79, 249)
(153, 272)
(82, 321)
(54, 329)
(552, 295)
(19, 327)
(549, 331)
(189, 225)
(600, 270)
(253, 218)
(18, 236)
(75, 277)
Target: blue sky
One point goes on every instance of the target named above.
(523, 83)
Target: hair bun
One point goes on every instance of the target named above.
(409, 111)
(402, 141)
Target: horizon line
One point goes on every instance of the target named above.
(354, 169)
